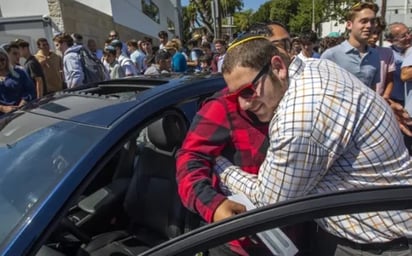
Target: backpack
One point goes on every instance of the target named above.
(93, 68)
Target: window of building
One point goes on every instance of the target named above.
(151, 10)
(170, 25)
(396, 11)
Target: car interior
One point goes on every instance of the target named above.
(130, 203)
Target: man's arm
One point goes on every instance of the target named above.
(293, 166)
(208, 135)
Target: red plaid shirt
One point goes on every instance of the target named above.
(219, 128)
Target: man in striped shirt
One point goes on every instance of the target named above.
(328, 132)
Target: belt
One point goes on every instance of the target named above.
(398, 244)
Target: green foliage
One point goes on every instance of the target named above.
(263, 13)
(243, 20)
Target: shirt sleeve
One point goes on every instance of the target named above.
(292, 168)
(207, 137)
(74, 70)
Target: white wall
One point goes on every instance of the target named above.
(104, 6)
(129, 13)
(13, 8)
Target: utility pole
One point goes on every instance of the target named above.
(313, 16)
(383, 15)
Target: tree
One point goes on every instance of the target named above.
(243, 20)
(204, 11)
(302, 21)
(263, 13)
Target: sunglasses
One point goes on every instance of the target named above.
(248, 91)
(283, 43)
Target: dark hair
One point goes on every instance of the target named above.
(206, 58)
(22, 43)
(116, 43)
(41, 40)
(162, 55)
(64, 38)
(9, 46)
(163, 34)
(308, 37)
(133, 43)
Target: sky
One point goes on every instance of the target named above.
(247, 4)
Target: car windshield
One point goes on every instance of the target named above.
(36, 153)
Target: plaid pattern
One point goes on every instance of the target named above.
(219, 128)
(330, 133)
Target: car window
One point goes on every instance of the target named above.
(35, 163)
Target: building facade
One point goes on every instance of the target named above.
(133, 19)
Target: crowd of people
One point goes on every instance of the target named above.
(294, 122)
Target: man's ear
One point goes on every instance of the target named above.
(349, 25)
(279, 67)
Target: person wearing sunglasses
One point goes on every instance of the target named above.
(16, 88)
(354, 54)
(328, 132)
(222, 128)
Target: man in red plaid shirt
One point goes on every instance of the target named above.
(221, 128)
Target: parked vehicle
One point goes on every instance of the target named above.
(96, 166)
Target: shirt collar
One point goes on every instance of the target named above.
(347, 47)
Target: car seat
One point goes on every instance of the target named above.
(152, 203)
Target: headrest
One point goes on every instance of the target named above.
(168, 132)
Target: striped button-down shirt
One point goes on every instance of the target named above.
(330, 132)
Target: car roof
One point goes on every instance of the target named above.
(108, 99)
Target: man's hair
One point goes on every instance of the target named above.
(206, 58)
(64, 38)
(109, 49)
(10, 46)
(220, 41)
(22, 43)
(41, 40)
(249, 52)
(163, 34)
(354, 9)
(380, 23)
(162, 55)
(308, 37)
(388, 32)
(132, 43)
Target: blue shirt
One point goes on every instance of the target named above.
(16, 88)
(366, 68)
(179, 63)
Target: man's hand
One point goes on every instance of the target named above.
(402, 116)
(226, 209)
(7, 109)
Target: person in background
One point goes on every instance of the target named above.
(136, 55)
(52, 65)
(115, 70)
(354, 54)
(295, 48)
(114, 35)
(205, 64)
(307, 41)
(13, 51)
(161, 64)
(92, 46)
(179, 63)
(77, 39)
(385, 85)
(163, 38)
(72, 67)
(125, 62)
(220, 46)
(16, 88)
(195, 52)
(33, 68)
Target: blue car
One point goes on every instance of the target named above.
(92, 170)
